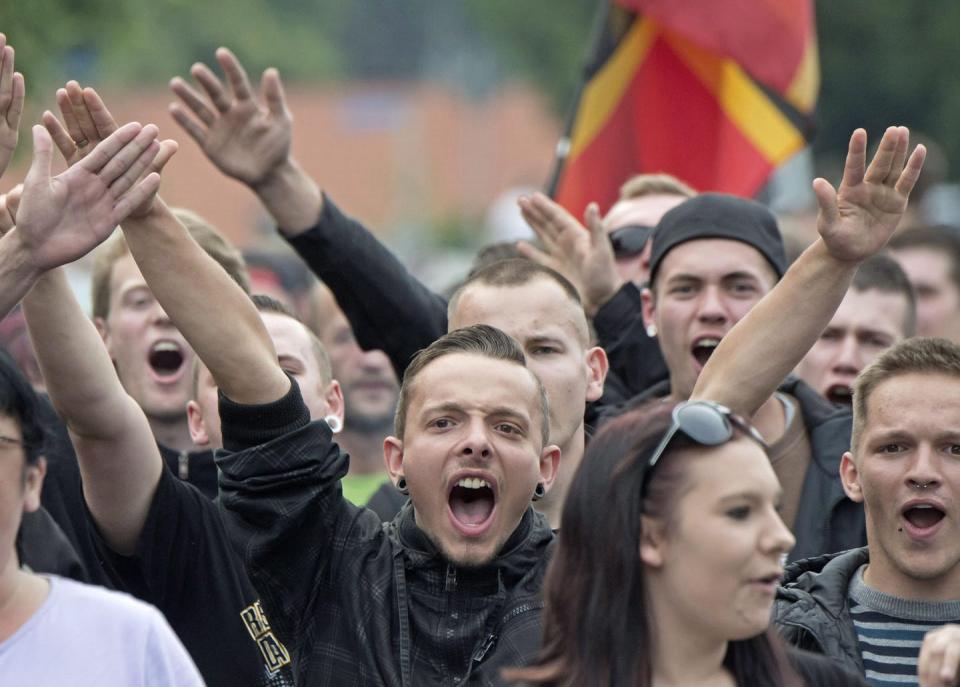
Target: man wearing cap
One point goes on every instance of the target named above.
(713, 258)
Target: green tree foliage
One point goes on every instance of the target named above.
(889, 62)
(882, 61)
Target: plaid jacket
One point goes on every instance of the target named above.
(356, 601)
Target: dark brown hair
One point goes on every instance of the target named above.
(480, 339)
(597, 630)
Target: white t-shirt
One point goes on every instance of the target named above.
(84, 635)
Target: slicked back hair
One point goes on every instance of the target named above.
(884, 274)
(518, 272)
(918, 355)
(204, 233)
(478, 339)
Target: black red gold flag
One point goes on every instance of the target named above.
(718, 93)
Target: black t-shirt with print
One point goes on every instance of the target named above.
(184, 566)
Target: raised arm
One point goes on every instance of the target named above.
(11, 104)
(854, 222)
(119, 460)
(211, 311)
(248, 138)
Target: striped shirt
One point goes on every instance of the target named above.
(890, 631)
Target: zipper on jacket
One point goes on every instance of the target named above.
(450, 583)
(520, 610)
(484, 649)
(183, 465)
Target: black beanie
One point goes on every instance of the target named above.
(719, 216)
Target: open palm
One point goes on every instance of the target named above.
(64, 217)
(857, 220)
(244, 138)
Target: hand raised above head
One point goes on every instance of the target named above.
(64, 217)
(87, 122)
(580, 253)
(12, 95)
(857, 219)
(246, 137)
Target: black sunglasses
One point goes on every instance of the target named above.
(630, 239)
(706, 423)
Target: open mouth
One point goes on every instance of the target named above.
(841, 394)
(471, 502)
(704, 348)
(166, 359)
(923, 516)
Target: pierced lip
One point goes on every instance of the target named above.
(474, 474)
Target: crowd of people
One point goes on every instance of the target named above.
(644, 449)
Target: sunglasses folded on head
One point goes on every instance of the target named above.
(705, 423)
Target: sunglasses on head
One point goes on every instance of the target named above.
(630, 239)
(705, 423)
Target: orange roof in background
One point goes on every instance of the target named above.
(387, 153)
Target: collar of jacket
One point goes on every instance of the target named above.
(522, 550)
(825, 579)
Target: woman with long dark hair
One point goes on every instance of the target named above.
(669, 554)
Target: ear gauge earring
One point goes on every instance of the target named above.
(651, 330)
(334, 423)
(402, 486)
(539, 492)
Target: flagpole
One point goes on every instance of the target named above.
(590, 66)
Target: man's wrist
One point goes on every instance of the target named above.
(17, 254)
(290, 196)
(599, 294)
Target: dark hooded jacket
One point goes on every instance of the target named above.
(827, 521)
(356, 601)
(812, 608)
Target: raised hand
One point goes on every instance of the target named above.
(11, 104)
(857, 220)
(245, 138)
(581, 254)
(87, 122)
(63, 218)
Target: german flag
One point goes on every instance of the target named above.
(716, 92)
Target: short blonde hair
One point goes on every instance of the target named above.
(640, 185)
(919, 355)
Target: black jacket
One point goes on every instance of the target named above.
(812, 608)
(827, 521)
(635, 357)
(391, 310)
(360, 602)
